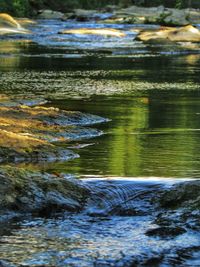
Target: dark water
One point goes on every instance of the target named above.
(150, 93)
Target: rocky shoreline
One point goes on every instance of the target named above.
(35, 134)
(130, 15)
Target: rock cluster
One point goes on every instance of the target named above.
(133, 14)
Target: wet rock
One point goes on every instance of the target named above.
(9, 102)
(166, 232)
(179, 209)
(50, 14)
(185, 195)
(38, 154)
(183, 34)
(25, 191)
(29, 134)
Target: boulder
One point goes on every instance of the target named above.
(50, 14)
(183, 34)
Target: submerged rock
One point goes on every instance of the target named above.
(23, 191)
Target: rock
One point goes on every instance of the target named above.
(87, 15)
(7, 20)
(26, 21)
(185, 195)
(83, 15)
(104, 32)
(166, 232)
(193, 16)
(137, 15)
(156, 15)
(8, 25)
(179, 208)
(49, 14)
(31, 133)
(183, 34)
(25, 191)
(174, 17)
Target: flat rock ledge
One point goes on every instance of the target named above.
(23, 192)
(39, 133)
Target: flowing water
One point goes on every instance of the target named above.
(150, 93)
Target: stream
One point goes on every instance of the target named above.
(150, 94)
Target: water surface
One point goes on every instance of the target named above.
(151, 96)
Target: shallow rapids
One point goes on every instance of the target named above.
(110, 231)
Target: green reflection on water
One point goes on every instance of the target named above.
(153, 103)
(148, 136)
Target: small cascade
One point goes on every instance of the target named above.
(122, 197)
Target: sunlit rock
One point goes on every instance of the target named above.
(183, 34)
(104, 32)
(9, 25)
(30, 133)
(26, 21)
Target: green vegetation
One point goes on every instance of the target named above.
(21, 8)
